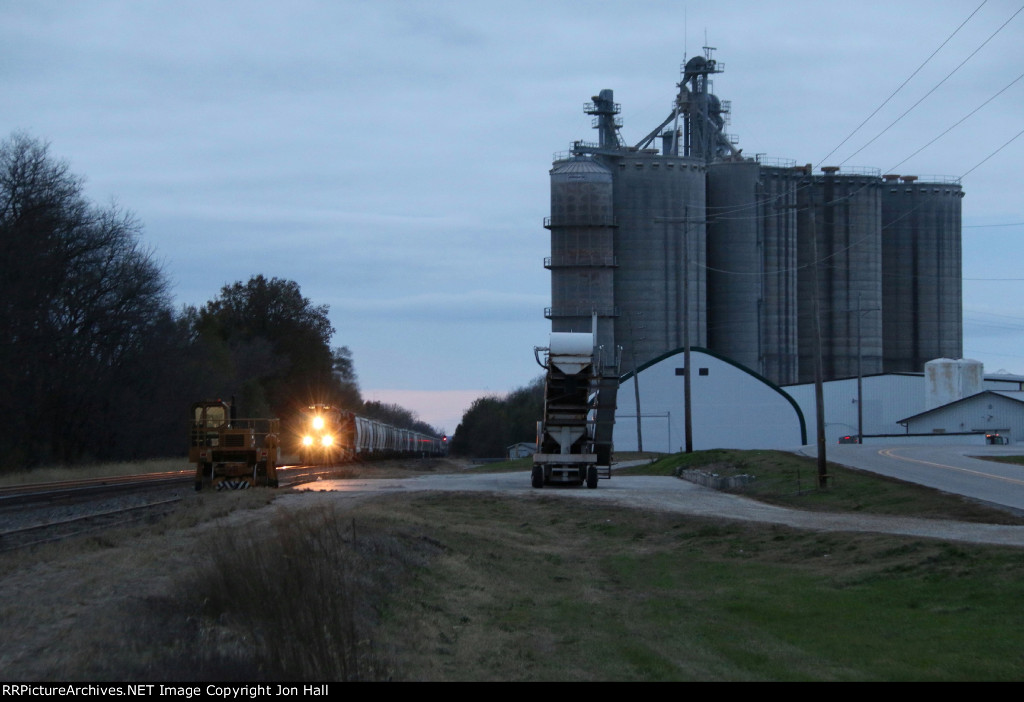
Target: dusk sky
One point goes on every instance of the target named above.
(392, 157)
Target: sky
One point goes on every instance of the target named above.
(392, 157)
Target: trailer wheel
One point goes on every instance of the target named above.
(591, 477)
(538, 477)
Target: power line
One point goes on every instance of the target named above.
(886, 101)
(1012, 139)
(956, 124)
(936, 86)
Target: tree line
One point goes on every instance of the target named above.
(95, 361)
(491, 424)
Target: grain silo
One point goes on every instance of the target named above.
(735, 262)
(839, 236)
(660, 283)
(582, 260)
(777, 220)
(921, 271)
(695, 243)
(752, 265)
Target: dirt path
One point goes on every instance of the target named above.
(682, 497)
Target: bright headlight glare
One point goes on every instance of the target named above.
(327, 440)
(307, 441)
(318, 422)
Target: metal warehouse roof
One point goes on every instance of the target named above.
(1016, 396)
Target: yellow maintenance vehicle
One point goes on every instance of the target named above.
(232, 453)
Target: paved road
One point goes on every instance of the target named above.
(667, 494)
(947, 468)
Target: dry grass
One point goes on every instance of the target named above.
(225, 588)
(297, 602)
(53, 474)
(480, 587)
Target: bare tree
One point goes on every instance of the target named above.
(80, 303)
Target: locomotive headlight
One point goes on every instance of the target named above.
(307, 441)
(318, 423)
(327, 440)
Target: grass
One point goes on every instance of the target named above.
(52, 474)
(1015, 460)
(553, 589)
(790, 480)
(475, 587)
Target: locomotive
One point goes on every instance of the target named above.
(330, 435)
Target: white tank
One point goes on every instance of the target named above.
(570, 352)
(947, 380)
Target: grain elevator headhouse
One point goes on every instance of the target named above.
(681, 239)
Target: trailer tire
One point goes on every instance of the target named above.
(538, 477)
(591, 477)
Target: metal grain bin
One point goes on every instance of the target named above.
(921, 271)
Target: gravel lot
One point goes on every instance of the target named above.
(679, 496)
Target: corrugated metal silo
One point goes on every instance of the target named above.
(660, 247)
(847, 223)
(735, 262)
(582, 260)
(921, 267)
(777, 219)
(752, 266)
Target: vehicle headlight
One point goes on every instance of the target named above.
(327, 440)
(307, 441)
(318, 423)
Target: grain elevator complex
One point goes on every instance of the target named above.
(681, 239)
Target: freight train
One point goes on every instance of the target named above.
(233, 453)
(329, 435)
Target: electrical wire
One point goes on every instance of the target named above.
(1012, 139)
(916, 71)
(956, 124)
(936, 86)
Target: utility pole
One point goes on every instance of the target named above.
(687, 410)
(819, 373)
(636, 384)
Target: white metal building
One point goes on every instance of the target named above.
(890, 399)
(989, 413)
(732, 407)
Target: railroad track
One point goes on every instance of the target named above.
(59, 529)
(48, 512)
